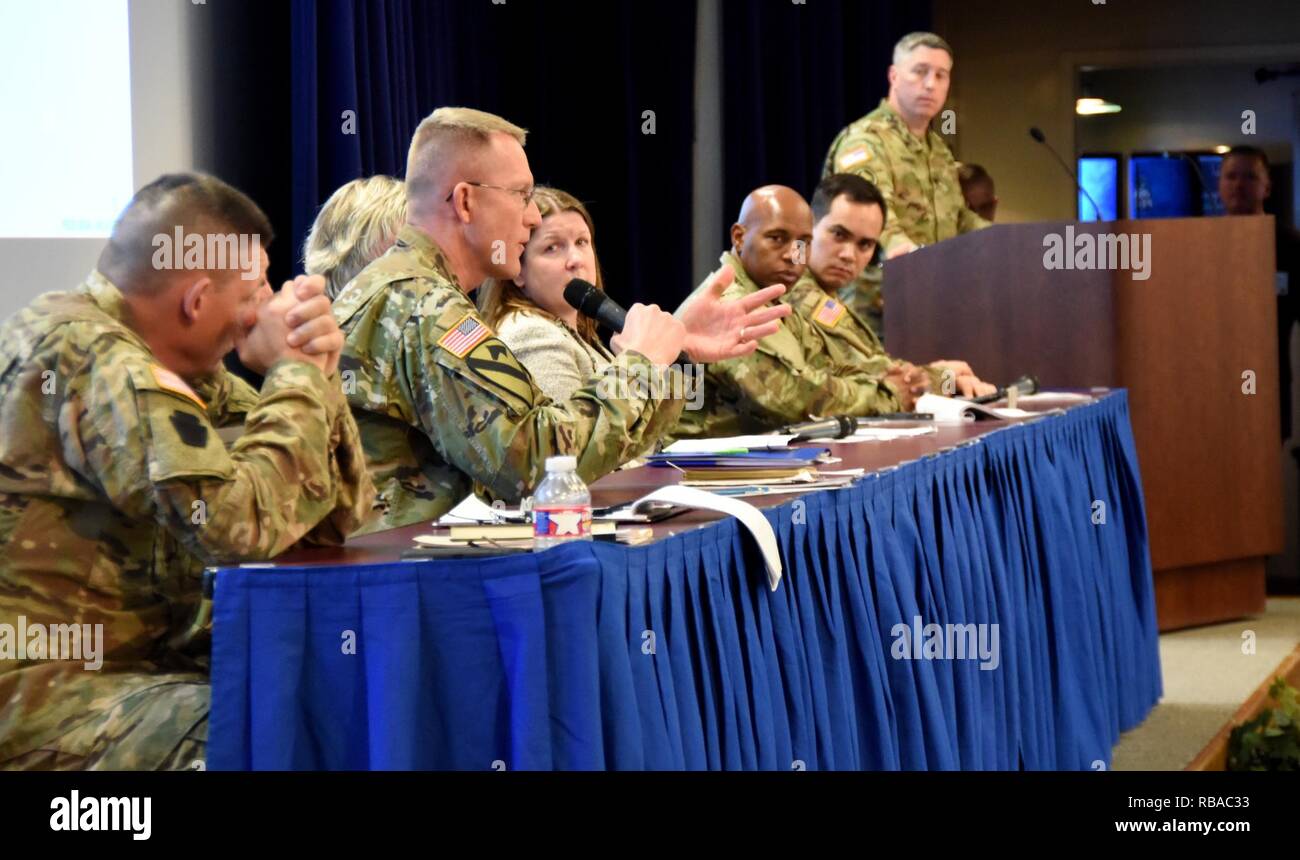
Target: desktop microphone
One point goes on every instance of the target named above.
(1037, 134)
(1025, 385)
(836, 427)
(592, 302)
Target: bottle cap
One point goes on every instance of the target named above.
(561, 464)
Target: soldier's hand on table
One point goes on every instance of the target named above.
(957, 368)
(973, 386)
(908, 381)
(965, 382)
(654, 333)
(717, 330)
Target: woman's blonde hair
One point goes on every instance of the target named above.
(498, 298)
(353, 228)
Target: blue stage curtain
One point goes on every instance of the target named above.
(578, 75)
(676, 655)
(793, 76)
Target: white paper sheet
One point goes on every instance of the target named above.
(750, 517)
(881, 434)
(728, 443)
(472, 509)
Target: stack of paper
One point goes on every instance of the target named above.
(950, 410)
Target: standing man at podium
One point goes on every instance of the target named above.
(895, 149)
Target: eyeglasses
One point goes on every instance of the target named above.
(525, 195)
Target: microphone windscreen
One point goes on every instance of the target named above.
(582, 295)
(1037, 134)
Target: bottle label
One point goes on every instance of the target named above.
(570, 521)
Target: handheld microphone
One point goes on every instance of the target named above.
(591, 302)
(1037, 134)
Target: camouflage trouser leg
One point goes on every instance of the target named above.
(162, 727)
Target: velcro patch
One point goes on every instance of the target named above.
(190, 429)
(829, 313)
(493, 363)
(854, 156)
(169, 381)
(464, 335)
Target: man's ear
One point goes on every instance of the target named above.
(737, 237)
(194, 299)
(892, 75)
(460, 202)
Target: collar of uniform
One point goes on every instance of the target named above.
(807, 292)
(105, 294)
(108, 298)
(413, 254)
(743, 280)
(425, 251)
(892, 117)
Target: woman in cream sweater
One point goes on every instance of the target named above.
(559, 347)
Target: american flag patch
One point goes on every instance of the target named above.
(464, 336)
(829, 314)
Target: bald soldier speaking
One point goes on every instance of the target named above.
(117, 487)
(442, 403)
(790, 377)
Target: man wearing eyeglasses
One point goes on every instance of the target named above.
(442, 404)
(895, 149)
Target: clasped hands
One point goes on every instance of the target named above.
(294, 323)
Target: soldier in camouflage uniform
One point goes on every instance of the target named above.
(791, 376)
(442, 403)
(116, 488)
(895, 148)
(849, 215)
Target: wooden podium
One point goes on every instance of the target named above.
(1182, 341)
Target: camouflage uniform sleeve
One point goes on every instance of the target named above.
(545, 352)
(229, 398)
(779, 381)
(147, 442)
(484, 413)
(866, 155)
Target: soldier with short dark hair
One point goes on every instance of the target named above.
(117, 486)
(848, 217)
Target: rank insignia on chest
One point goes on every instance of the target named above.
(829, 313)
(464, 336)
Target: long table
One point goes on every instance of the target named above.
(982, 598)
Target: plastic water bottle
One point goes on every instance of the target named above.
(561, 505)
